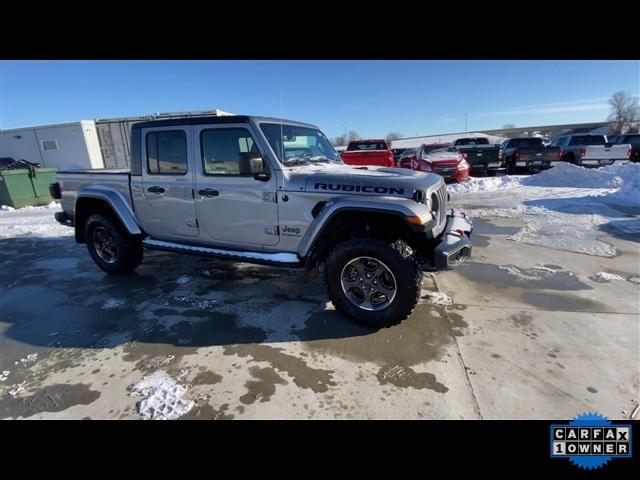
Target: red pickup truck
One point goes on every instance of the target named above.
(368, 152)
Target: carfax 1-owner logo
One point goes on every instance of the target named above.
(590, 441)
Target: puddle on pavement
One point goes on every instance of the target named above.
(263, 387)
(55, 398)
(303, 375)
(533, 278)
(559, 301)
(206, 377)
(483, 229)
(207, 412)
(403, 377)
(420, 338)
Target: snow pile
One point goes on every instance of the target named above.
(488, 184)
(604, 277)
(164, 398)
(621, 182)
(438, 298)
(4, 375)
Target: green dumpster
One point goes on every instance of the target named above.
(19, 188)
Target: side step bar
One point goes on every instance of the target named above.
(286, 260)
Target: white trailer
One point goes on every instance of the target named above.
(66, 146)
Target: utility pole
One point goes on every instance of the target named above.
(465, 122)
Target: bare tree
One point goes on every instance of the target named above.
(508, 126)
(340, 141)
(393, 136)
(625, 111)
(353, 135)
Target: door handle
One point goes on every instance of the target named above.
(208, 192)
(156, 189)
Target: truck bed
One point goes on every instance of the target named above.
(481, 157)
(72, 181)
(597, 155)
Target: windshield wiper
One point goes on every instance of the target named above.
(320, 158)
(295, 161)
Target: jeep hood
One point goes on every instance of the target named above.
(346, 179)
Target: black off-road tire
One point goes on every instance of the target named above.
(398, 257)
(129, 251)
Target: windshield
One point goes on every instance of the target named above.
(366, 146)
(587, 140)
(528, 142)
(299, 145)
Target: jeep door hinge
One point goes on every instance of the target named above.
(269, 197)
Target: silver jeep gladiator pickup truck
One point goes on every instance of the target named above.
(274, 192)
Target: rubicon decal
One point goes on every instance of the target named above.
(345, 187)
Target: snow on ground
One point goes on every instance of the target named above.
(604, 277)
(31, 222)
(529, 274)
(620, 183)
(164, 398)
(565, 208)
(438, 298)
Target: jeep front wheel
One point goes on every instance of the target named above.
(373, 282)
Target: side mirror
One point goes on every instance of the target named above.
(254, 164)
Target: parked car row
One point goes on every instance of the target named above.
(477, 156)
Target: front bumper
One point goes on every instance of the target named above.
(455, 245)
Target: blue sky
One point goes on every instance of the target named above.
(371, 97)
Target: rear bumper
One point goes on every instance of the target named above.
(588, 162)
(64, 219)
(533, 163)
(455, 245)
(489, 165)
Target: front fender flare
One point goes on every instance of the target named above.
(403, 207)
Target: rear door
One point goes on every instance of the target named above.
(233, 207)
(168, 209)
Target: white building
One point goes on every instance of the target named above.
(415, 142)
(64, 145)
(103, 143)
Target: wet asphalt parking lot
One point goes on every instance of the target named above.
(529, 333)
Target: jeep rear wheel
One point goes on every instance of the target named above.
(373, 282)
(112, 250)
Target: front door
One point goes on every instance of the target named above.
(233, 206)
(168, 212)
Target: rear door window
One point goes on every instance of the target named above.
(167, 152)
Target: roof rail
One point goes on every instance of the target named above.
(216, 112)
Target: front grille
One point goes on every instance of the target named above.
(439, 206)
